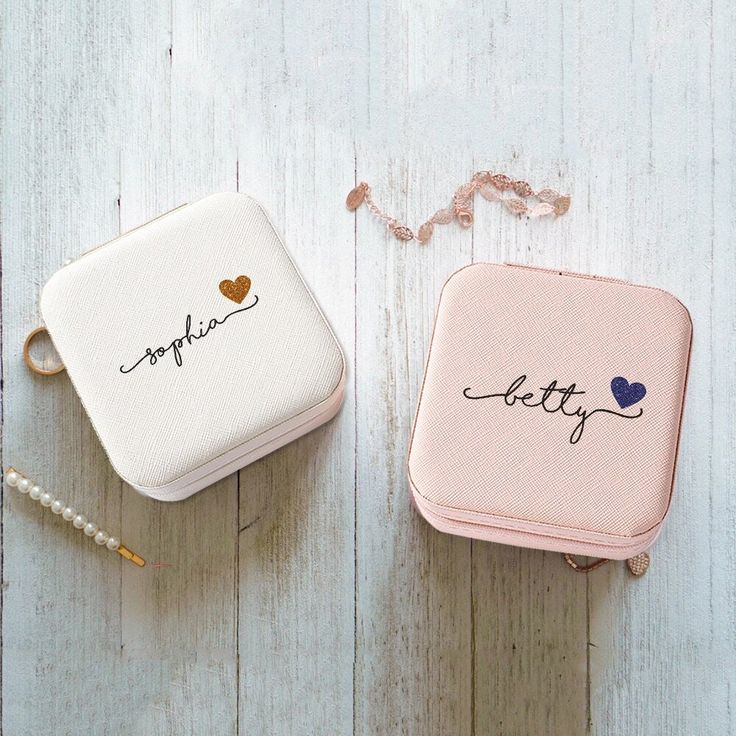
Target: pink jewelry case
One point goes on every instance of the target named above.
(550, 412)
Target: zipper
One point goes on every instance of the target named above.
(572, 274)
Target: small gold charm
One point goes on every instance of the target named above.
(425, 233)
(403, 233)
(442, 217)
(639, 564)
(501, 181)
(356, 197)
(464, 193)
(517, 206)
(540, 209)
(489, 193)
(548, 195)
(522, 188)
(561, 205)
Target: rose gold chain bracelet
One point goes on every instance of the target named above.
(490, 185)
(638, 564)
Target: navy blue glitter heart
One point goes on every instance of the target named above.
(625, 393)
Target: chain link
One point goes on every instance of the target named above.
(490, 185)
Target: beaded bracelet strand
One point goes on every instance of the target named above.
(79, 521)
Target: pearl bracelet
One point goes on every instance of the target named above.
(17, 480)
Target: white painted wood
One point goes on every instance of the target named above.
(305, 596)
(665, 648)
(60, 599)
(179, 621)
(530, 612)
(414, 654)
(297, 506)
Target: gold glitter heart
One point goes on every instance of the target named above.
(236, 290)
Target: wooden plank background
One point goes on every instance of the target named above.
(303, 595)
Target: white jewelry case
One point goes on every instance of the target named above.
(194, 345)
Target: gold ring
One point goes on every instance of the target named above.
(29, 361)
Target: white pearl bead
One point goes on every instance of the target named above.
(113, 543)
(68, 513)
(23, 485)
(35, 492)
(12, 478)
(57, 506)
(46, 499)
(90, 529)
(101, 537)
(79, 521)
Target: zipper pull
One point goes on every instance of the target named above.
(638, 564)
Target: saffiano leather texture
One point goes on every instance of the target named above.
(194, 345)
(550, 412)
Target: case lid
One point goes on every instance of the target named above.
(552, 399)
(190, 336)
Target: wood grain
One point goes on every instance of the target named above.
(413, 584)
(304, 595)
(297, 506)
(60, 600)
(180, 619)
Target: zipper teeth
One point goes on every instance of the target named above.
(572, 274)
(460, 524)
(127, 232)
(484, 520)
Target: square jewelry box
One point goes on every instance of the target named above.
(194, 345)
(550, 412)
